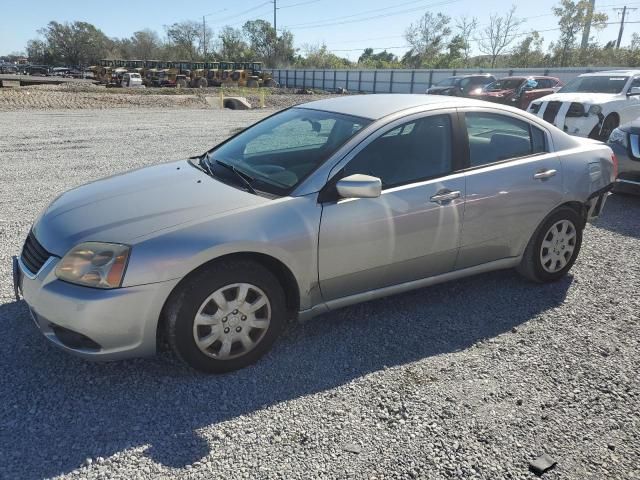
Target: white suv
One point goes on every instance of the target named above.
(593, 104)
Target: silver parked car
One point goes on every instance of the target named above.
(625, 143)
(314, 208)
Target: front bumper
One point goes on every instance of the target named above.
(628, 168)
(93, 323)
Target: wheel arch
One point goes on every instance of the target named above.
(580, 208)
(282, 272)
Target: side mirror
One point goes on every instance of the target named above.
(633, 91)
(359, 186)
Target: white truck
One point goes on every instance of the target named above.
(593, 104)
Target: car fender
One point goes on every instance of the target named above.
(284, 229)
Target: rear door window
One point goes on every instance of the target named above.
(495, 138)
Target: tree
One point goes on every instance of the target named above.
(499, 34)
(427, 38)
(383, 59)
(233, 44)
(145, 45)
(318, 56)
(528, 53)
(572, 19)
(466, 27)
(184, 38)
(38, 52)
(77, 43)
(270, 48)
(454, 58)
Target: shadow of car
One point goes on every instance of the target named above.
(63, 410)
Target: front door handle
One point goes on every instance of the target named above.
(543, 175)
(445, 196)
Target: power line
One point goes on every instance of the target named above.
(473, 40)
(341, 19)
(298, 4)
(240, 14)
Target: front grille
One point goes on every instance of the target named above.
(576, 110)
(551, 111)
(34, 255)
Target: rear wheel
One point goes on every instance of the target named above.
(252, 83)
(181, 83)
(226, 317)
(202, 83)
(554, 247)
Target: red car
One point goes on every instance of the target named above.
(517, 91)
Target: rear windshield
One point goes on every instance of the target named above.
(596, 84)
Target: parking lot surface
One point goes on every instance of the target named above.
(471, 379)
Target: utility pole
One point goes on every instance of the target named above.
(204, 39)
(587, 28)
(624, 14)
(275, 14)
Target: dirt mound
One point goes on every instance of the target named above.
(86, 96)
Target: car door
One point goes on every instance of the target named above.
(412, 230)
(631, 108)
(513, 181)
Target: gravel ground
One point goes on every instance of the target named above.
(471, 379)
(75, 96)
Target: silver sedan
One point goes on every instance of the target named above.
(314, 208)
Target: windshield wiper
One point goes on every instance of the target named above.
(205, 166)
(246, 179)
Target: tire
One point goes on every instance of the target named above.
(235, 76)
(610, 123)
(270, 83)
(562, 250)
(252, 83)
(202, 83)
(181, 83)
(239, 337)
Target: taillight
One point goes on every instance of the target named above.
(614, 159)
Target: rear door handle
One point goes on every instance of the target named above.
(545, 174)
(445, 196)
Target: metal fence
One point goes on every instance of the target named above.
(404, 81)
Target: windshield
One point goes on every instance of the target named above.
(447, 82)
(506, 84)
(596, 84)
(279, 152)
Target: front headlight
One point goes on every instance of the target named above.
(94, 264)
(620, 137)
(595, 110)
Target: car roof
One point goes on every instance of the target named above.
(380, 105)
(608, 73)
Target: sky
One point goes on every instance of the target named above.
(346, 27)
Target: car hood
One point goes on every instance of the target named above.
(578, 97)
(496, 93)
(121, 208)
(439, 89)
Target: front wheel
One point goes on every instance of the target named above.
(609, 125)
(554, 247)
(226, 317)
